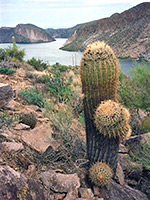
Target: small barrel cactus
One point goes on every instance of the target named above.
(100, 174)
(112, 119)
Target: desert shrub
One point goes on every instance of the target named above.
(72, 148)
(38, 64)
(60, 67)
(32, 96)
(145, 124)
(135, 91)
(142, 154)
(59, 85)
(3, 55)
(12, 52)
(6, 119)
(5, 70)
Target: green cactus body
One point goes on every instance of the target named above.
(112, 119)
(99, 77)
(100, 174)
(99, 74)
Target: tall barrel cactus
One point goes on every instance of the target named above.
(99, 77)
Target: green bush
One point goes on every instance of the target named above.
(32, 96)
(38, 64)
(142, 154)
(59, 67)
(6, 119)
(135, 91)
(58, 83)
(12, 52)
(3, 55)
(5, 70)
(145, 124)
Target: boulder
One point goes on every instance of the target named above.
(6, 94)
(59, 182)
(40, 138)
(119, 192)
(12, 146)
(14, 185)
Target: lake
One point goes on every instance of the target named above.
(50, 52)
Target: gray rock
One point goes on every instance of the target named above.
(60, 182)
(119, 192)
(6, 94)
(12, 146)
(14, 185)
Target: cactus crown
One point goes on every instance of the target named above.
(99, 74)
(100, 174)
(112, 119)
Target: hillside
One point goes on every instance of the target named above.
(24, 33)
(43, 137)
(127, 33)
(65, 32)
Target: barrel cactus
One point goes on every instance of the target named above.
(100, 174)
(112, 119)
(99, 76)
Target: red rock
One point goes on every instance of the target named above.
(40, 138)
(120, 174)
(21, 126)
(12, 146)
(86, 193)
(6, 94)
(72, 194)
(31, 171)
(60, 182)
(14, 185)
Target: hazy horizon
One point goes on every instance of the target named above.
(59, 13)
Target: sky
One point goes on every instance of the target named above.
(59, 13)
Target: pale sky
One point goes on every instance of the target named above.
(59, 13)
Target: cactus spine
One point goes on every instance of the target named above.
(112, 119)
(100, 174)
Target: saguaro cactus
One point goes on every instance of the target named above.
(99, 77)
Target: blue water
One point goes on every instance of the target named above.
(50, 52)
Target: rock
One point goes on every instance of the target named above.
(6, 94)
(21, 126)
(13, 105)
(7, 134)
(60, 182)
(23, 160)
(57, 196)
(122, 149)
(135, 143)
(86, 193)
(14, 185)
(31, 171)
(118, 192)
(27, 116)
(72, 194)
(100, 193)
(12, 146)
(40, 138)
(120, 174)
(123, 160)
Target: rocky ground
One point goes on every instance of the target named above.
(35, 165)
